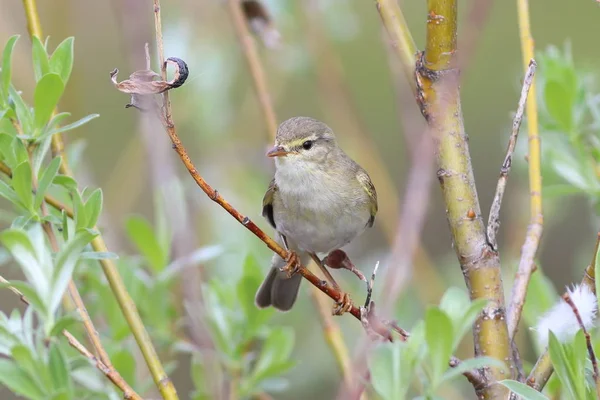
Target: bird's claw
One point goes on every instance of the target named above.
(292, 264)
(343, 305)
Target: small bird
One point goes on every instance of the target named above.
(319, 200)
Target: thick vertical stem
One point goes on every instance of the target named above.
(439, 99)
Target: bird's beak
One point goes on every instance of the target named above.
(277, 151)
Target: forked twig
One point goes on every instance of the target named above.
(588, 340)
(494, 218)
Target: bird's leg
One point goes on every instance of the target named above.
(345, 303)
(325, 271)
(292, 262)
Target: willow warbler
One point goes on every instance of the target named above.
(319, 200)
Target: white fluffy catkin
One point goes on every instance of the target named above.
(561, 319)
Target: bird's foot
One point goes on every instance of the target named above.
(292, 264)
(343, 305)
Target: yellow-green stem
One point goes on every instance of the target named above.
(439, 98)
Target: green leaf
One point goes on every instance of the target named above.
(246, 290)
(93, 207)
(526, 392)
(467, 321)
(46, 179)
(439, 334)
(41, 66)
(597, 270)
(392, 367)
(66, 181)
(81, 219)
(563, 359)
(61, 61)
(6, 68)
(141, 233)
(65, 225)
(63, 323)
(99, 255)
(75, 124)
(23, 251)
(274, 357)
(21, 182)
(59, 370)
(30, 294)
(8, 193)
(559, 104)
(23, 357)
(22, 110)
(7, 151)
(469, 365)
(18, 381)
(65, 264)
(125, 363)
(45, 98)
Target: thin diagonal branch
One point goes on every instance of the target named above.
(536, 223)
(112, 374)
(402, 41)
(494, 217)
(254, 65)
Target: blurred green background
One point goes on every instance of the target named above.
(334, 64)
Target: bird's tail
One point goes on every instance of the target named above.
(277, 289)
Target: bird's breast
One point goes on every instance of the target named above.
(316, 212)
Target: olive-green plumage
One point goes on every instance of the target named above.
(319, 200)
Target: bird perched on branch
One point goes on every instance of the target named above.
(319, 200)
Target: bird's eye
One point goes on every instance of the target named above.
(307, 145)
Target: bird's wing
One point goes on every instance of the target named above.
(267, 210)
(367, 185)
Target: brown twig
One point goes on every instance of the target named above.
(254, 65)
(588, 340)
(543, 368)
(494, 217)
(112, 374)
(536, 222)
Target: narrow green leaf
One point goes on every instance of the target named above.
(59, 370)
(274, 355)
(63, 323)
(22, 355)
(141, 233)
(61, 61)
(526, 392)
(559, 104)
(6, 68)
(79, 211)
(21, 248)
(65, 264)
(21, 183)
(8, 193)
(99, 255)
(22, 110)
(440, 337)
(31, 295)
(66, 181)
(18, 381)
(6, 150)
(75, 124)
(41, 65)
(46, 179)
(45, 98)
(65, 225)
(93, 207)
(392, 368)
(597, 271)
(466, 323)
(562, 366)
